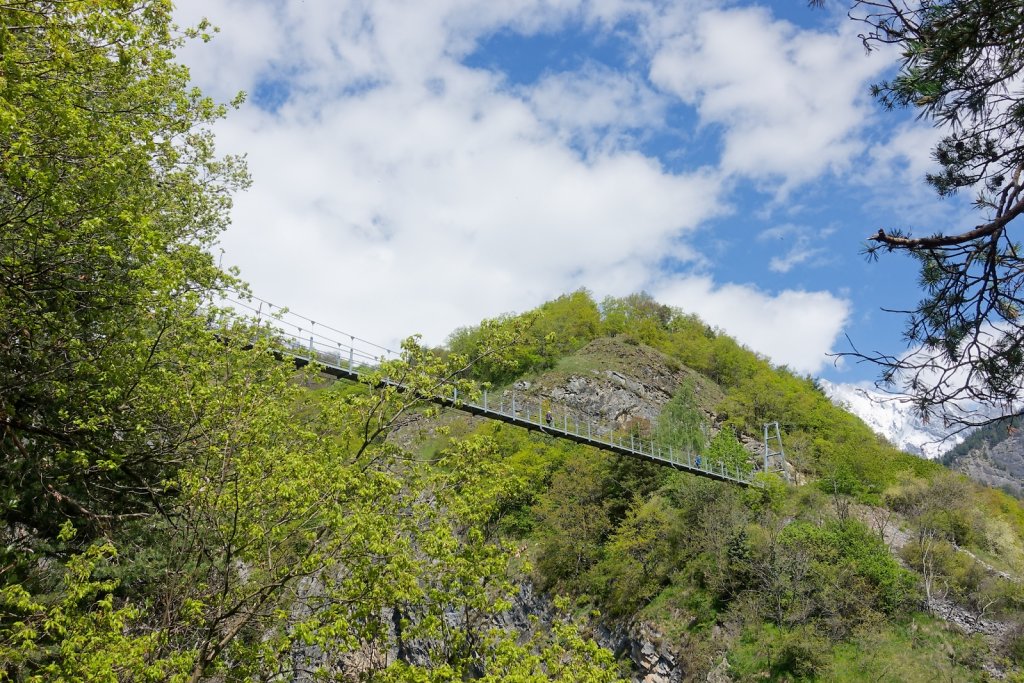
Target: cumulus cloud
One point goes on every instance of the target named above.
(421, 205)
(790, 101)
(793, 328)
(597, 107)
(397, 190)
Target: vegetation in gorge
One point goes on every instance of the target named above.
(179, 504)
(789, 583)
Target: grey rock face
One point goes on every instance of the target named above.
(998, 466)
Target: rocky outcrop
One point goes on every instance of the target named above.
(610, 397)
(999, 466)
(627, 382)
(653, 662)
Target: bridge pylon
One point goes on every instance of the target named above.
(774, 455)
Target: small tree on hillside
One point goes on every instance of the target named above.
(726, 448)
(680, 423)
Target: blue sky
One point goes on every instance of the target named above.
(419, 166)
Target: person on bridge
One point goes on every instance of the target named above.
(548, 418)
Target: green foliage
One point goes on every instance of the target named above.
(529, 464)
(917, 650)
(892, 588)
(637, 315)
(575, 517)
(726, 450)
(536, 339)
(97, 641)
(259, 515)
(638, 558)
(836, 575)
(769, 493)
(779, 654)
(942, 507)
(110, 197)
(681, 424)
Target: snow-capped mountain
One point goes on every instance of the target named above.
(893, 419)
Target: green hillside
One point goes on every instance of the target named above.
(181, 503)
(792, 582)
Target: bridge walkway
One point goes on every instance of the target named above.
(307, 342)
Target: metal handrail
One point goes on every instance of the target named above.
(306, 341)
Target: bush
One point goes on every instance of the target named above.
(1013, 645)
(726, 448)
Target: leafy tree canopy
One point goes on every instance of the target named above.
(110, 196)
(176, 503)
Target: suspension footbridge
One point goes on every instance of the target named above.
(345, 356)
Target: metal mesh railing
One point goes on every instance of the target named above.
(351, 356)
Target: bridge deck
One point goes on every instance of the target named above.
(533, 419)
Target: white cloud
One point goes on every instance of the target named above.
(802, 245)
(792, 258)
(793, 328)
(462, 200)
(596, 106)
(397, 190)
(790, 101)
(906, 156)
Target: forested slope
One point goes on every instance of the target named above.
(180, 504)
(859, 572)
